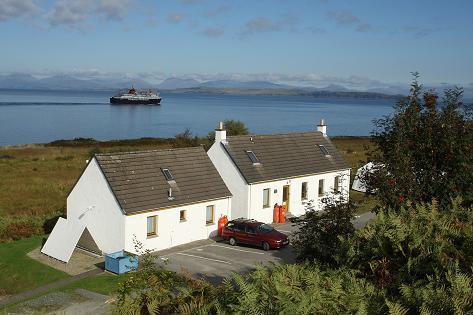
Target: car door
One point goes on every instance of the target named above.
(251, 235)
(240, 233)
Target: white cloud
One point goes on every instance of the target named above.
(216, 31)
(217, 11)
(77, 12)
(175, 17)
(10, 9)
(264, 24)
(347, 18)
(115, 9)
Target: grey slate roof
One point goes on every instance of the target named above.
(283, 155)
(139, 184)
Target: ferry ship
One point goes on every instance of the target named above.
(134, 96)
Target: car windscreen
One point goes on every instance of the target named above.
(265, 228)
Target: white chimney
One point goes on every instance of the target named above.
(220, 133)
(322, 127)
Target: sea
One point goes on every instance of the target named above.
(43, 116)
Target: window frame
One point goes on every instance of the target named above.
(253, 158)
(182, 218)
(336, 184)
(167, 174)
(321, 188)
(212, 221)
(248, 228)
(154, 232)
(267, 205)
(324, 150)
(304, 189)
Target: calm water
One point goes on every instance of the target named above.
(44, 116)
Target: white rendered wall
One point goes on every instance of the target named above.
(232, 178)
(104, 219)
(170, 230)
(296, 205)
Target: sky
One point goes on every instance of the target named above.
(351, 42)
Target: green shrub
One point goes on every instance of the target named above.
(413, 245)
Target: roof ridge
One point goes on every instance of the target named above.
(149, 151)
(275, 134)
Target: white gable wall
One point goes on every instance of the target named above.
(105, 220)
(233, 179)
(296, 205)
(170, 230)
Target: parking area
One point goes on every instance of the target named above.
(216, 260)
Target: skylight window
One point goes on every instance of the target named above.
(324, 150)
(253, 157)
(167, 174)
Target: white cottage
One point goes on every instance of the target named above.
(286, 169)
(161, 198)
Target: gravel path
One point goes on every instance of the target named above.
(29, 294)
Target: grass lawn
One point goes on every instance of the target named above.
(19, 272)
(105, 283)
(365, 203)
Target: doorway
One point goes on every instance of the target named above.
(285, 197)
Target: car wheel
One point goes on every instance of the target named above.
(265, 246)
(232, 241)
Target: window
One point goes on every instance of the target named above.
(152, 226)
(266, 197)
(250, 230)
(253, 157)
(336, 184)
(167, 173)
(304, 191)
(321, 187)
(182, 215)
(265, 228)
(324, 150)
(240, 228)
(209, 215)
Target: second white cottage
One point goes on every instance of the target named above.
(287, 169)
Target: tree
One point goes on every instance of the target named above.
(233, 128)
(318, 236)
(185, 139)
(424, 150)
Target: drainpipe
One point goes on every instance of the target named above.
(249, 202)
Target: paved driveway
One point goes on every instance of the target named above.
(216, 260)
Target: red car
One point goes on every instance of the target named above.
(253, 233)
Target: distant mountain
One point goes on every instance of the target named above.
(285, 92)
(233, 84)
(16, 81)
(335, 88)
(176, 83)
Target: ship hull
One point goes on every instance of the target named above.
(116, 100)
